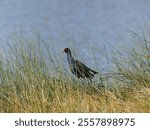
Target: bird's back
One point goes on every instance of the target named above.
(82, 70)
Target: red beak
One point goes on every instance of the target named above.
(63, 51)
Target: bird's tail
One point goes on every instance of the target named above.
(94, 72)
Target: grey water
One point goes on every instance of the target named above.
(89, 24)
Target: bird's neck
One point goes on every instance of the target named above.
(70, 58)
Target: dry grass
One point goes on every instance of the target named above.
(58, 98)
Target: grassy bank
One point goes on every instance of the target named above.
(32, 80)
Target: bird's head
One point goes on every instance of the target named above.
(66, 50)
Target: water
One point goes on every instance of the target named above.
(88, 23)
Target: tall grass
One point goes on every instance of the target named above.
(33, 79)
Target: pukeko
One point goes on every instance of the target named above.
(78, 68)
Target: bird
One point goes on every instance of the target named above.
(77, 67)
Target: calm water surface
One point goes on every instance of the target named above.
(87, 23)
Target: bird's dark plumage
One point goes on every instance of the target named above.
(77, 67)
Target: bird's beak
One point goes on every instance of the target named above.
(63, 51)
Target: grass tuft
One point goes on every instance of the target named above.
(32, 79)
